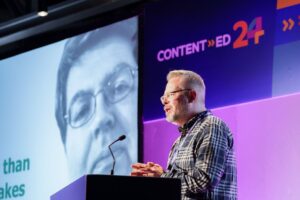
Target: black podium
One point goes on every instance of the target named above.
(98, 187)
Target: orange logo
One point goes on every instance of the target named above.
(248, 32)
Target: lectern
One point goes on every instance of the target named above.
(98, 187)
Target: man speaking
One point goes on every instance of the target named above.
(203, 156)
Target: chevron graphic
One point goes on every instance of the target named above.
(288, 24)
(211, 43)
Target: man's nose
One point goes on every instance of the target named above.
(104, 117)
(164, 101)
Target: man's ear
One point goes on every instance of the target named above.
(192, 96)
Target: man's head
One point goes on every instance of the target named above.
(184, 96)
(96, 94)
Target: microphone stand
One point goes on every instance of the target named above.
(122, 137)
(114, 160)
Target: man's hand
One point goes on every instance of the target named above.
(149, 169)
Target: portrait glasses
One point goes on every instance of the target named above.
(83, 105)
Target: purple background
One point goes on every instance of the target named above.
(267, 135)
(249, 81)
(74, 191)
(222, 68)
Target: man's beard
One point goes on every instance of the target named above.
(172, 118)
(176, 116)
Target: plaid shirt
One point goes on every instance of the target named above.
(203, 158)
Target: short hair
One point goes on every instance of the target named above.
(191, 78)
(75, 47)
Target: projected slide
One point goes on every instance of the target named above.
(62, 105)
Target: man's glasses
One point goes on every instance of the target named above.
(83, 105)
(170, 95)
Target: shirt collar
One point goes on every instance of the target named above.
(188, 125)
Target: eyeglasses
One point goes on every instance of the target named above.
(170, 95)
(83, 104)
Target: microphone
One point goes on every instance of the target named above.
(122, 137)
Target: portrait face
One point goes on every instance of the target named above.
(101, 96)
(175, 101)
